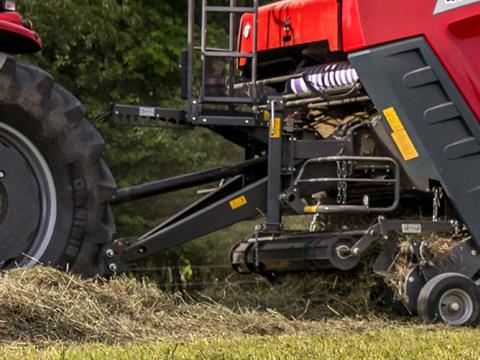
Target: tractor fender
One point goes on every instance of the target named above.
(15, 35)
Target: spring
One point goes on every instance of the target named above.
(323, 77)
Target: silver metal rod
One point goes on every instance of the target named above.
(231, 46)
(325, 103)
(339, 91)
(274, 80)
(322, 100)
(339, 102)
(255, 52)
(350, 180)
(204, 26)
(190, 46)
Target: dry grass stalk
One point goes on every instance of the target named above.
(41, 304)
(436, 246)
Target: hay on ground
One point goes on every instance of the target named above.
(41, 304)
(436, 248)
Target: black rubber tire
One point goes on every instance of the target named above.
(53, 120)
(428, 304)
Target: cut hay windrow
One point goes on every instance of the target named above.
(42, 304)
(436, 248)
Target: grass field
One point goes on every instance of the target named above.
(45, 314)
(395, 342)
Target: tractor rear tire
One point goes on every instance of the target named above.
(55, 186)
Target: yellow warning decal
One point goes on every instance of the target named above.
(400, 135)
(266, 116)
(311, 209)
(238, 202)
(275, 128)
(405, 145)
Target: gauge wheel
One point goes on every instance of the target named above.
(451, 298)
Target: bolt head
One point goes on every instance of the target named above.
(474, 252)
(110, 253)
(113, 267)
(454, 306)
(2, 174)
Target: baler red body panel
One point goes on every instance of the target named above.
(289, 23)
(15, 37)
(454, 35)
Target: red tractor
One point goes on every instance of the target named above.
(363, 115)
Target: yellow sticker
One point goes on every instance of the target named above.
(405, 145)
(400, 135)
(275, 130)
(393, 119)
(266, 116)
(310, 209)
(238, 202)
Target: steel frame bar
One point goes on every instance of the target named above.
(185, 181)
(244, 204)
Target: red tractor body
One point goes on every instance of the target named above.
(17, 35)
(352, 25)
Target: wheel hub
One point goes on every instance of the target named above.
(456, 307)
(27, 200)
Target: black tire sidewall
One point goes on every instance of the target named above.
(53, 153)
(429, 298)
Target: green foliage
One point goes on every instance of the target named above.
(127, 51)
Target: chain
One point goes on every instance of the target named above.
(342, 186)
(313, 224)
(437, 202)
(257, 261)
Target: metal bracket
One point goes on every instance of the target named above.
(342, 180)
(383, 228)
(148, 116)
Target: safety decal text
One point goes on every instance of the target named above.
(400, 135)
(238, 202)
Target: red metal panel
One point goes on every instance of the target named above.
(16, 38)
(454, 35)
(292, 22)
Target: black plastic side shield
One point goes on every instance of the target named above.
(435, 132)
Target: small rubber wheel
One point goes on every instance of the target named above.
(451, 298)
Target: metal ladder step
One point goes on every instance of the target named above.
(230, 55)
(227, 100)
(228, 9)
